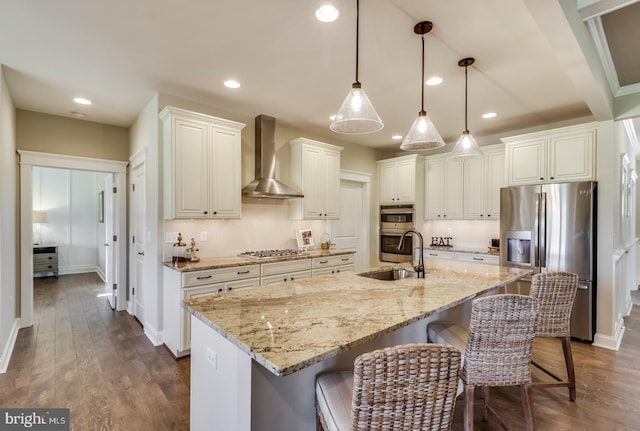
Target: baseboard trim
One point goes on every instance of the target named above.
(154, 336)
(608, 341)
(9, 346)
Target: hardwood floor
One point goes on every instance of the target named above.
(82, 355)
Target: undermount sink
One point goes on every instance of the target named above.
(388, 274)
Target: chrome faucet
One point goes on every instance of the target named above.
(419, 269)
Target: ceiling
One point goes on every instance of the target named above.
(297, 69)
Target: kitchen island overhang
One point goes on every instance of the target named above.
(289, 332)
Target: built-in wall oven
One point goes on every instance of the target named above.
(394, 221)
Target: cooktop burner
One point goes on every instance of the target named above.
(265, 254)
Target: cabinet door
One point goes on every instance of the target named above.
(242, 284)
(387, 185)
(571, 156)
(526, 162)
(453, 190)
(313, 175)
(478, 258)
(434, 189)
(494, 180)
(189, 293)
(434, 254)
(191, 159)
(225, 174)
(406, 181)
(332, 184)
(473, 192)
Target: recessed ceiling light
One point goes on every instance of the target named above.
(327, 13)
(82, 101)
(230, 83)
(435, 80)
(489, 115)
(396, 137)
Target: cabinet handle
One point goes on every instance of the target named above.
(433, 254)
(206, 212)
(141, 253)
(541, 179)
(344, 259)
(284, 279)
(323, 261)
(215, 212)
(220, 290)
(551, 178)
(481, 215)
(488, 215)
(203, 277)
(242, 272)
(478, 258)
(50, 257)
(319, 214)
(444, 215)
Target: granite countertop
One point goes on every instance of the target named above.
(289, 326)
(457, 249)
(228, 261)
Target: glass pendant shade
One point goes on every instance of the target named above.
(466, 146)
(422, 135)
(356, 114)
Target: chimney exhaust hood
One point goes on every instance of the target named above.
(265, 184)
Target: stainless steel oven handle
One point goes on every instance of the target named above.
(543, 230)
(536, 225)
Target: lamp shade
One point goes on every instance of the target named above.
(39, 217)
(356, 114)
(466, 146)
(422, 135)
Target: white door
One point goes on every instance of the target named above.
(351, 230)
(139, 238)
(109, 243)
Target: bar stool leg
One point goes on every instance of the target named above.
(485, 404)
(568, 359)
(527, 405)
(468, 407)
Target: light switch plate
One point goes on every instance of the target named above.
(203, 236)
(212, 357)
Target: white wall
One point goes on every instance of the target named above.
(70, 202)
(9, 228)
(466, 234)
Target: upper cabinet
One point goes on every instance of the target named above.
(553, 156)
(201, 165)
(315, 170)
(443, 188)
(397, 179)
(483, 178)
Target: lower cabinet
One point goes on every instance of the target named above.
(492, 259)
(333, 265)
(179, 286)
(279, 272)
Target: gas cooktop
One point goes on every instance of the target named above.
(266, 254)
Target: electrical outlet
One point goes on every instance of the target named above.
(203, 236)
(212, 358)
(171, 237)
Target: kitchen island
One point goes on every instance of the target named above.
(256, 352)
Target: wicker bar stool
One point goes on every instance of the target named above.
(556, 292)
(406, 387)
(498, 348)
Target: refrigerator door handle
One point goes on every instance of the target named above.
(543, 230)
(536, 230)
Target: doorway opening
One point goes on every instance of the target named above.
(28, 160)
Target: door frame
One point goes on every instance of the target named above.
(29, 159)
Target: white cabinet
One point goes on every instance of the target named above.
(201, 165)
(279, 272)
(436, 254)
(553, 156)
(315, 170)
(179, 286)
(483, 178)
(492, 259)
(340, 264)
(397, 179)
(443, 188)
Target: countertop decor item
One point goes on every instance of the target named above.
(357, 115)
(466, 145)
(423, 134)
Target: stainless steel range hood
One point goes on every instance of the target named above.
(265, 184)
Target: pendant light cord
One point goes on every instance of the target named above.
(466, 129)
(422, 112)
(357, 36)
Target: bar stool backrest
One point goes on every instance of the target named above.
(555, 292)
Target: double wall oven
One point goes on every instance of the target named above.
(394, 221)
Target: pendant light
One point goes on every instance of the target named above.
(466, 145)
(423, 134)
(356, 115)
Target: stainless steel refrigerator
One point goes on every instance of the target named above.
(552, 227)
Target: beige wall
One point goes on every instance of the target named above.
(60, 135)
